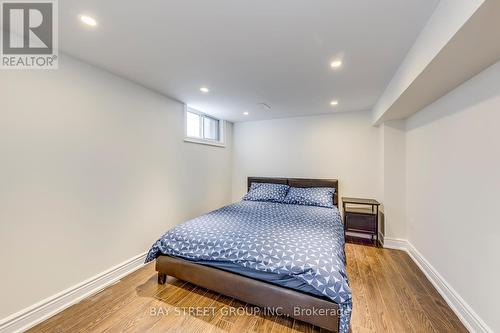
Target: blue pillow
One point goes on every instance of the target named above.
(267, 192)
(311, 196)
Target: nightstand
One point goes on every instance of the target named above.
(361, 217)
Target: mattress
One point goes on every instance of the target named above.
(295, 246)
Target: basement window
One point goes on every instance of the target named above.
(204, 129)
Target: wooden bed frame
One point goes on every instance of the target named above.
(319, 311)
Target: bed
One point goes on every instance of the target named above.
(279, 256)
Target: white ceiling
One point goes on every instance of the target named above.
(247, 52)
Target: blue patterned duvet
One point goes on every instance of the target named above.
(305, 242)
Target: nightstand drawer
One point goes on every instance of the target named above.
(361, 222)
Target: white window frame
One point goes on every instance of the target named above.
(222, 129)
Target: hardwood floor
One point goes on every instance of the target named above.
(390, 294)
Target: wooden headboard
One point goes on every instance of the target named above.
(300, 182)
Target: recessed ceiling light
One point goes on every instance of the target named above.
(333, 103)
(245, 113)
(88, 20)
(336, 64)
(204, 90)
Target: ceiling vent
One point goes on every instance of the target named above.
(264, 106)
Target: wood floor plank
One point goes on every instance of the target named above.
(390, 294)
(300, 326)
(84, 309)
(116, 314)
(442, 318)
(377, 308)
(245, 320)
(283, 324)
(262, 324)
(361, 320)
(222, 305)
(406, 299)
(436, 298)
(394, 304)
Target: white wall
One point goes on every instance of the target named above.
(394, 178)
(93, 169)
(342, 145)
(453, 186)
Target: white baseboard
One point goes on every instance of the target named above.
(464, 312)
(32, 315)
(395, 243)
